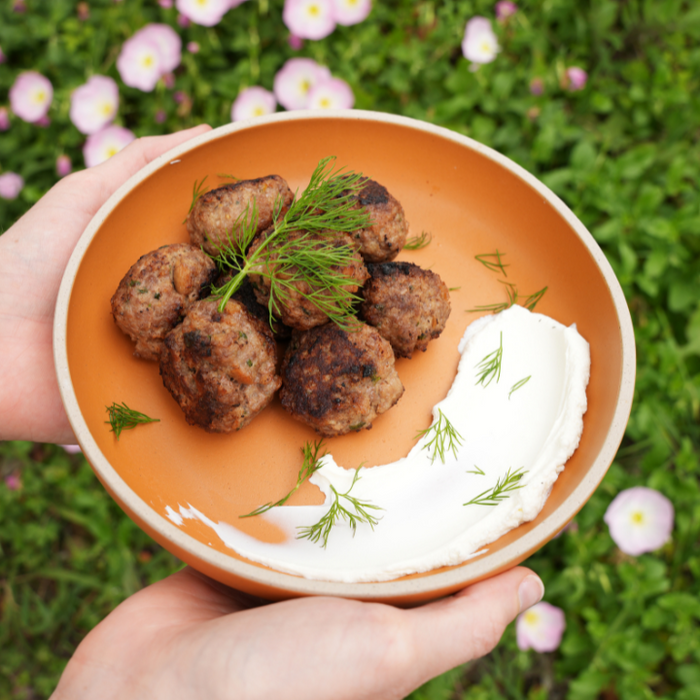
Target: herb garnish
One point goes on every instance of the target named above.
(493, 496)
(312, 463)
(321, 530)
(444, 433)
(531, 301)
(478, 471)
(512, 293)
(490, 367)
(519, 384)
(327, 204)
(121, 417)
(494, 265)
(198, 190)
(418, 242)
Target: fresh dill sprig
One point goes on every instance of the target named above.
(531, 302)
(453, 289)
(445, 436)
(312, 463)
(519, 384)
(355, 513)
(490, 367)
(121, 417)
(418, 242)
(327, 205)
(493, 496)
(493, 262)
(511, 291)
(478, 471)
(198, 190)
(225, 176)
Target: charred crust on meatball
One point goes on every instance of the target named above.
(220, 366)
(154, 295)
(339, 381)
(408, 305)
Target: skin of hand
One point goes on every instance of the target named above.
(190, 637)
(34, 253)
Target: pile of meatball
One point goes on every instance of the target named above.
(222, 367)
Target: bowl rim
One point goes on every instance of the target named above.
(292, 585)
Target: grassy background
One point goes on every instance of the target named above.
(623, 153)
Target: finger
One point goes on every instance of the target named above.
(468, 625)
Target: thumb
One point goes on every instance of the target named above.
(469, 624)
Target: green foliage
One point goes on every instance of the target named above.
(623, 153)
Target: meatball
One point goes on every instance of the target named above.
(388, 229)
(246, 295)
(295, 309)
(409, 306)
(338, 381)
(212, 221)
(156, 293)
(220, 366)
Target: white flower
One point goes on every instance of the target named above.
(332, 93)
(31, 96)
(11, 185)
(204, 12)
(94, 104)
(168, 42)
(253, 102)
(480, 44)
(640, 520)
(140, 64)
(309, 19)
(295, 79)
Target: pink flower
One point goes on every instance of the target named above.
(106, 143)
(480, 44)
(168, 42)
(71, 449)
(183, 21)
(63, 166)
(11, 185)
(204, 12)
(253, 102)
(169, 80)
(139, 63)
(4, 119)
(575, 78)
(540, 628)
(332, 93)
(309, 19)
(193, 47)
(505, 9)
(94, 104)
(294, 81)
(347, 12)
(640, 520)
(31, 96)
(13, 482)
(160, 116)
(165, 4)
(3, 58)
(179, 96)
(536, 86)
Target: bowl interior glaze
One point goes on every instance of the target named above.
(472, 201)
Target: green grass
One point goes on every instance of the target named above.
(623, 153)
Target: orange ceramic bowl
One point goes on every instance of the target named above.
(472, 200)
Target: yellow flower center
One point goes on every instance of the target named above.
(531, 617)
(202, 3)
(324, 102)
(111, 151)
(147, 61)
(39, 97)
(314, 10)
(106, 109)
(486, 46)
(258, 111)
(305, 86)
(637, 517)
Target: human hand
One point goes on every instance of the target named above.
(190, 637)
(33, 255)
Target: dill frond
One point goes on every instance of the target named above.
(490, 367)
(531, 302)
(198, 190)
(493, 496)
(519, 384)
(418, 242)
(121, 417)
(493, 262)
(445, 437)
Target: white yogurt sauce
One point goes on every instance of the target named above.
(424, 524)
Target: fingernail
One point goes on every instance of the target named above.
(531, 591)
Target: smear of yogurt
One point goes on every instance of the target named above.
(506, 425)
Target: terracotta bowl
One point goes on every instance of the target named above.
(472, 200)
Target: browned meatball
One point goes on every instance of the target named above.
(211, 223)
(409, 306)
(246, 295)
(156, 293)
(220, 366)
(296, 309)
(388, 229)
(338, 381)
